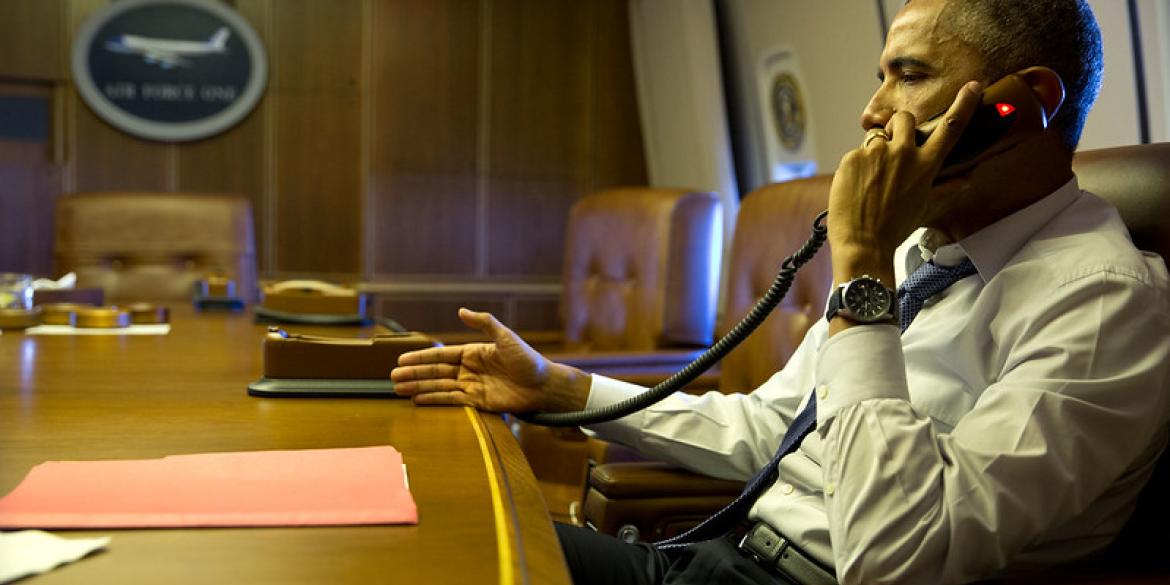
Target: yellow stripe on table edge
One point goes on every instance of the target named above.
(503, 548)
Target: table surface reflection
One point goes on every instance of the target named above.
(481, 516)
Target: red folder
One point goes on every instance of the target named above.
(365, 485)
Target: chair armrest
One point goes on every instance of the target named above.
(651, 500)
(655, 479)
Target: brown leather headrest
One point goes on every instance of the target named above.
(1135, 179)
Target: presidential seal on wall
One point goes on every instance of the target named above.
(789, 148)
(788, 111)
(169, 70)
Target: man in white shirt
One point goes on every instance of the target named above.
(1013, 422)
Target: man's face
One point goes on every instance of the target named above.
(922, 66)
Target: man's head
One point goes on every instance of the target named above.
(1059, 34)
(934, 46)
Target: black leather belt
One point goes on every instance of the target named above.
(770, 548)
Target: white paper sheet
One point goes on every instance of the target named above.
(31, 552)
(159, 329)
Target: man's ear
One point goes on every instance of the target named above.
(1047, 86)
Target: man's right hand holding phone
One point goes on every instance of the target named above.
(884, 190)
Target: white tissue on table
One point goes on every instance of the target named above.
(30, 552)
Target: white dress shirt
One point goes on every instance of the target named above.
(1011, 426)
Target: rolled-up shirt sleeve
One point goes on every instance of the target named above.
(1067, 413)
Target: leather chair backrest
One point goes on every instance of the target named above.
(141, 246)
(641, 269)
(773, 222)
(1136, 179)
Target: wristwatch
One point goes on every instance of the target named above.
(863, 300)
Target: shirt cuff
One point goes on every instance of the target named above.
(606, 391)
(859, 363)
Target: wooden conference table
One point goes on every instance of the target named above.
(481, 516)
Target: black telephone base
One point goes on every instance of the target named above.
(224, 304)
(265, 315)
(325, 388)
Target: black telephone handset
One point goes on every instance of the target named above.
(1008, 113)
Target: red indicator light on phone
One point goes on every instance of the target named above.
(1004, 109)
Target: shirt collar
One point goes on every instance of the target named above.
(993, 246)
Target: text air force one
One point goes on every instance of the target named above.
(169, 53)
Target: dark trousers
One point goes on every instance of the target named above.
(600, 559)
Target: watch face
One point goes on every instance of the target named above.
(867, 299)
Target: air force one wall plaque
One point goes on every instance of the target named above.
(169, 70)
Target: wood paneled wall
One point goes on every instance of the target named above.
(430, 150)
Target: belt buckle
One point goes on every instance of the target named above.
(763, 543)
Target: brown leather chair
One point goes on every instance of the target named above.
(154, 246)
(641, 270)
(640, 276)
(652, 500)
(774, 221)
(656, 501)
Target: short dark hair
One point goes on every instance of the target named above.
(1060, 34)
